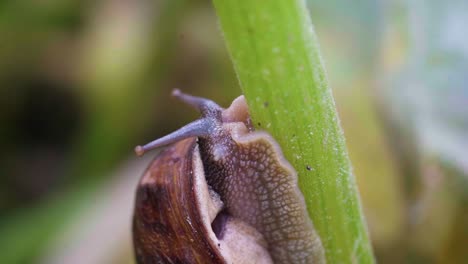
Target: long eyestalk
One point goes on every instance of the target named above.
(198, 128)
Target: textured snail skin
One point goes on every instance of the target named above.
(251, 185)
(259, 187)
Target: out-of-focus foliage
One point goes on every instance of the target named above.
(82, 82)
(428, 90)
(424, 98)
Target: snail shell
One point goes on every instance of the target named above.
(221, 193)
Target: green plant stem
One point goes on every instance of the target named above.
(276, 56)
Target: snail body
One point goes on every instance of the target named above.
(221, 193)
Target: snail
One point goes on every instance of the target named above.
(221, 192)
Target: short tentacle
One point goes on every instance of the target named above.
(205, 106)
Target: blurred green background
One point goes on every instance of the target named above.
(83, 82)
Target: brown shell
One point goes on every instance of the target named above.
(162, 232)
(175, 210)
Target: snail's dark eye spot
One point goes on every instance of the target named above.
(219, 224)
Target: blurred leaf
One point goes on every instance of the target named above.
(120, 51)
(25, 234)
(431, 91)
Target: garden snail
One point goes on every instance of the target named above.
(221, 193)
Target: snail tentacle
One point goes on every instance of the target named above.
(198, 128)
